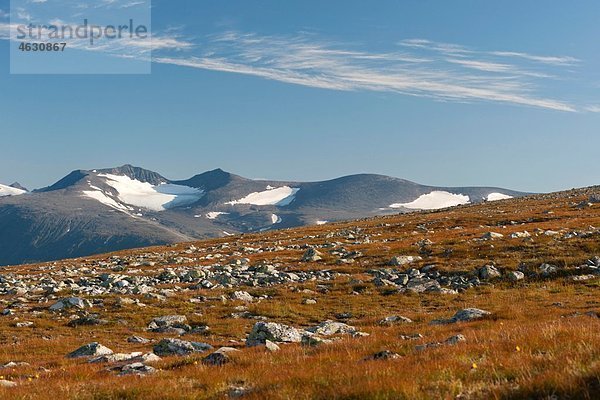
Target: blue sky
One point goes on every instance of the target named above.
(443, 93)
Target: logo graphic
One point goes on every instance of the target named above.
(74, 37)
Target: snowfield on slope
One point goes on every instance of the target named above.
(281, 196)
(144, 195)
(215, 214)
(10, 191)
(100, 196)
(435, 200)
(497, 196)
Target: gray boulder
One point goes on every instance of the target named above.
(70, 302)
(311, 255)
(242, 296)
(93, 349)
(468, 314)
(137, 368)
(178, 347)
(328, 328)
(219, 357)
(516, 276)
(488, 272)
(547, 270)
(452, 340)
(175, 324)
(395, 319)
(492, 235)
(399, 261)
(272, 347)
(278, 333)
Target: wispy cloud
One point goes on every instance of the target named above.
(415, 67)
(303, 60)
(561, 60)
(594, 109)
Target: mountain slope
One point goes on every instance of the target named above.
(87, 212)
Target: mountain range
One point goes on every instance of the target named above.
(95, 211)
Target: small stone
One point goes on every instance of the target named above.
(219, 357)
(313, 340)
(272, 347)
(12, 364)
(468, 314)
(414, 336)
(172, 324)
(383, 355)
(243, 296)
(311, 255)
(547, 269)
(87, 320)
(137, 368)
(488, 272)
(520, 235)
(515, 276)
(138, 339)
(492, 235)
(399, 261)
(455, 339)
(395, 319)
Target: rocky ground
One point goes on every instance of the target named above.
(498, 300)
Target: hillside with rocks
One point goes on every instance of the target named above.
(492, 300)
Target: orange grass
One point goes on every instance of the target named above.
(558, 344)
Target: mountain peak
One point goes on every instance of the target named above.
(17, 185)
(210, 180)
(137, 173)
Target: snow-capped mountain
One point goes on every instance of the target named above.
(88, 212)
(13, 190)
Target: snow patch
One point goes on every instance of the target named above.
(434, 201)
(215, 214)
(322, 222)
(106, 200)
(157, 198)
(275, 219)
(282, 196)
(498, 196)
(10, 191)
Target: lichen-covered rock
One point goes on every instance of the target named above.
(488, 272)
(399, 261)
(278, 333)
(70, 302)
(178, 347)
(468, 314)
(328, 328)
(93, 349)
